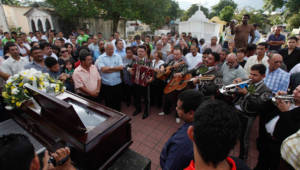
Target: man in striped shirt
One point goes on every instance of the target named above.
(276, 78)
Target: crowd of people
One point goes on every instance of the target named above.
(99, 69)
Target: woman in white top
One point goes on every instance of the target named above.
(157, 86)
(157, 61)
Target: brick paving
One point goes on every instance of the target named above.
(150, 135)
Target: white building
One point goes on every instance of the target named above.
(200, 26)
(40, 19)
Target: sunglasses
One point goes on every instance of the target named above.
(64, 51)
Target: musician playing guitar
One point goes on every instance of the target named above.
(179, 68)
(141, 91)
(210, 63)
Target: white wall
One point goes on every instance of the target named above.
(200, 29)
(3, 23)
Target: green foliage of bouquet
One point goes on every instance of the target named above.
(14, 92)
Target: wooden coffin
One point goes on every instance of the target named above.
(96, 134)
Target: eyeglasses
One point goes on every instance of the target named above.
(64, 51)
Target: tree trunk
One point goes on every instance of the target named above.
(115, 23)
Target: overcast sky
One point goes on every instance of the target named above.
(185, 4)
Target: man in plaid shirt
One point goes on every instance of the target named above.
(276, 78)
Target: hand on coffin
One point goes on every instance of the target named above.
(63, 77)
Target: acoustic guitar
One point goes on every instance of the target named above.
(179, 83)
(163, 75)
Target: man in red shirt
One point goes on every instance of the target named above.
(214, 134)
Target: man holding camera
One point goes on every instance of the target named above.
(17, 153)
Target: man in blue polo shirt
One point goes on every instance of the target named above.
(276, 40)
(110, 66)
(178, 151)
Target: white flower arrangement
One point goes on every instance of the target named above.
(15, 94)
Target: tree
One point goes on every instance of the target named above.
(256, 17)
(216, 9)
(152, 12)
(292, 6)
(226, 13)
(10, 2)
(192, 10)
(174, 11)
(294, 21)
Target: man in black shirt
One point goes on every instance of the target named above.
(291, 54)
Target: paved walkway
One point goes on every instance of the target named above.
(150, 135)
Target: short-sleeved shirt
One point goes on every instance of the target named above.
(81, 38)
(4, 41)
(85, 78)
(277, 80)
(178, 151)
(229, 74)
(121, 53)
(114, 78)
(228, 35)
(216, 48)
(193, 61)
(253, 60)
(273, 37)
(290, 60)
(12, 66)
(290, 150)
(166, 48)
(37, 67)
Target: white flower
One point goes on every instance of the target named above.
(15, 91)
(26, 84)
(46, 84)
(10, 80)
(16, 76)
(52, 85)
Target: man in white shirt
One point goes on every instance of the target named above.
(259, 58)
(193, 58)
(47, 50)
(166, 46)
(256, 35)
(60, 35)
(117, 37)
(15, 63)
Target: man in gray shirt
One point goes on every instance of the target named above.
(232, 70)
(38, 60)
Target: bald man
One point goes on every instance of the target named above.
(276, 78)
(232, 70)
(213, 45)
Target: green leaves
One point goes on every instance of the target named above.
(10, 2)
(294, 21)
(152, 12)
(216, 9)
(226, 13)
